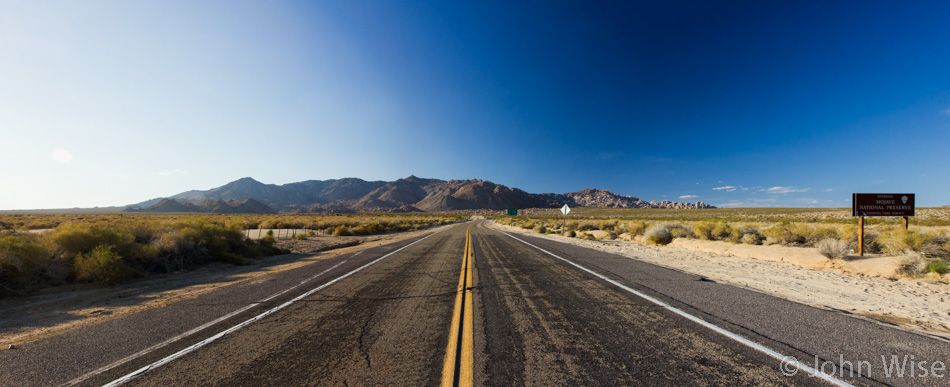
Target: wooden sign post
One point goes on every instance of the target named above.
(861, 236)
(880, 205)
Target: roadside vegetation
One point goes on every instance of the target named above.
(924, 248)
(38, 251)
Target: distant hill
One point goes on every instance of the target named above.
(411, 194)
(243, 206)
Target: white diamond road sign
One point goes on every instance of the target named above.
(565, 210)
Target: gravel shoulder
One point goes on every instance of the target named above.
(795, 274)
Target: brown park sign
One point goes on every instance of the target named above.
(864, 204)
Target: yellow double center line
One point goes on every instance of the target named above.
(457, 370)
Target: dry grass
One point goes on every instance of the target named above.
(113, 248)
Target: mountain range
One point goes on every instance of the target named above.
(411, 194)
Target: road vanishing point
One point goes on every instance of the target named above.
(468, 304)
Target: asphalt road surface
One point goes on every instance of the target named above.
(538, 313)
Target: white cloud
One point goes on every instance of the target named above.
(62, 156)
(689, 196)
(785, 190)
(173, 172)
(828, 190)
(727, 188)
(750, 202)
(735, 204)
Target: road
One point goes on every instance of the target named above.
(537, 312)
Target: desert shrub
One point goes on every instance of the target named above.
(658, 235)
(369, 229)
(752, 238)
(301, 237)
(607, 225)
(22, 265)
(172, 251)
(723, 231)
(586, 226)
(528, 225)
(104, 265)
(714, 231)
(74, 239)
(570, 233)
(801, 233)
(341, 231)
(678, 231)
(572, 225)
(818, 234)
(937, 266)
(733, 234)
(540, 229)
(268, 240)
(779, 234)
(833, 248)
(912, 264)
(172, 242)
(704, 230)
(898, 240)
(872, 244)
(611, 235)
(635, 227)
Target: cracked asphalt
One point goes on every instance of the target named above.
(537, 321)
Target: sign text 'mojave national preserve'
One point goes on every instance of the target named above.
(890, 204)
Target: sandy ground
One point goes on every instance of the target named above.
(61, 309)
(864, 287)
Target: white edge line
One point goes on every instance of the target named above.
(717, 329)
(211, 339)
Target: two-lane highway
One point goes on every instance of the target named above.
(473, 305)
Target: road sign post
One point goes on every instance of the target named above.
(565, 210)
(863, 204)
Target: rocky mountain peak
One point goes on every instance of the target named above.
(407, 194)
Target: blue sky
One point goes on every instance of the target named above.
(794, 103)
